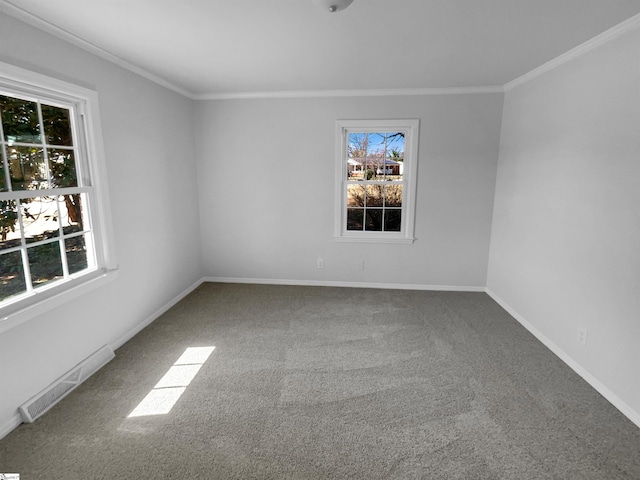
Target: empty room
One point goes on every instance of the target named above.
(320, 239)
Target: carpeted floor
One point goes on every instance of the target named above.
(332, 383)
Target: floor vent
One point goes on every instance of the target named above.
(55, 392)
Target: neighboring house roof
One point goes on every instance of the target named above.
(388, 161)
(360, 161)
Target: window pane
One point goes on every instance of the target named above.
(76, 254)
(9, 226)
(369, 170)
(20, 120)
(375, 145)
(354, 169)
(354, 218)
(377, 165)
(27, 168)
(393, 195)
(395, 155)
(355, 196)
(39, 218)
(400, 171)
(357, 145)
(392, 220)
(372, 164)
(45, 263)
(62, 167)
(373, 220)
(384, 168)
(57, 128)
(71, 213)
(374, 195)
(12, 280)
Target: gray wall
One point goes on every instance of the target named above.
(149, 152)
(565, 246)
(266, 180)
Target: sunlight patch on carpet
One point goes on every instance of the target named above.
(174, 383)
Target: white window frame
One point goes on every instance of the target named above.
(91, 165)
(409, 179)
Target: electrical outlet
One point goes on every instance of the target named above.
(320, 263)
(582, 336)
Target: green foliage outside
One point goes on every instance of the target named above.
(8, 218)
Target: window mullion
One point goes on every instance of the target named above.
(26, 269)
(344, 181)
(365, 179)
(61, 245)
(5, 160)
(43, 142)
(81, 152)
(49, 192)
(63, 257)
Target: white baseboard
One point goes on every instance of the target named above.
(330, 283)
(15, 421)
(631, 414)
(10, 425)
(625, 409)
(147, 321)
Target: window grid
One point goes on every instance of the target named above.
(376, 186)
(384, 171)
(39, 186)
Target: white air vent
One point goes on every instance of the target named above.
(55, 392)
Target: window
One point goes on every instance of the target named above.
(52, 210)
(376, 172)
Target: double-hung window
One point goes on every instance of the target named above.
(52, 214)
(376, 180)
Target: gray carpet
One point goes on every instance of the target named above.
(331, 383)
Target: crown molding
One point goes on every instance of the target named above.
(380, 92)
(41, 24)
(12, 10)
(576, 52)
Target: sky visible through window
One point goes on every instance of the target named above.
(372, 144)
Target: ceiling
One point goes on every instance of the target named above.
(215, 48)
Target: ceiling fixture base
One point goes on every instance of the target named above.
(332, 6)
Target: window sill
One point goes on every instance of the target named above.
(43, 301)
(373, 239)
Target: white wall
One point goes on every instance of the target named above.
(150, 165)
(565, 247)
(566, 229)
(266, 183)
